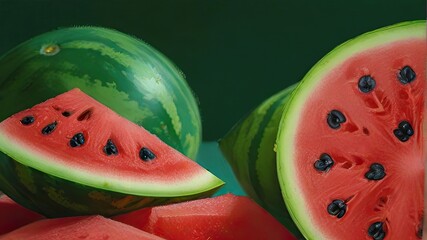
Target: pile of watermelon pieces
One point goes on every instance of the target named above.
(224, 217)
(199, 217)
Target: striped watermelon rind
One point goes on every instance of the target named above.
(57, 197)
(249, 149)
(45, 172)
(120, 71)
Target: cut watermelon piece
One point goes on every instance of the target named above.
(71, 155)
(219, 218)
(76, 228)
(14, 216)
(350, 143)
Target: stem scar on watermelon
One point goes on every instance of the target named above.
(350, 141)
(71, 155)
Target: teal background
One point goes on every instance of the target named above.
(234, 53)
(211, 159)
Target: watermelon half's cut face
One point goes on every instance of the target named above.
(73, 150)
(350, 144)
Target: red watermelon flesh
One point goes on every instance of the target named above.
(71, 155)
(220, 218)
(98, 124)
(14, 216)
(350, 147)
(77, 228)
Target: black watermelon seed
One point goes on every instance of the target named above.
(376, 172)
(366, 84)
(110, 148)
(337, 208)
(324, 163)
(27, 120)
(376, 231)
(420, 228)
(420, 232)
(145, 154)
(335, 118)
(406, 75)
(77, 140)
(66, 114)
(49, 128)
(406, 128)
(404, 131)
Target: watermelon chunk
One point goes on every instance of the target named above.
(75, 228)
(71, 155)
(220, 218)
(14, 216)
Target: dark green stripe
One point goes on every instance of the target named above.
(57, 197)
(253, 149)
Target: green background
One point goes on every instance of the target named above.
(234, 53)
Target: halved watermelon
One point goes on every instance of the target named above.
(77, 228)
(350, 143)
(71, 155)
(14, 216)
(220, 218)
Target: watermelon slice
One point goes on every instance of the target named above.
(350, 142)
(71, 155)
(220, 218)
(76, 228)
(14, 216)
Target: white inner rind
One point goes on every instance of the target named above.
(291, 122)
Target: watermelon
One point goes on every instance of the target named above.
(249, 149)
(350, 142)
(125, 74)
(71, 155)
(76, 228)
(220, 218)
(14, 216)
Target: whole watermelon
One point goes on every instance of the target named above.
(120, 71)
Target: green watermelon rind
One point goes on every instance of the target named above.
(23, 153)
(292, 194)
(249, 149)
(120, 71)
(52, 196)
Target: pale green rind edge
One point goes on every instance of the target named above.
(23, 153)
(291, 191)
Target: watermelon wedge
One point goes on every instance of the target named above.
(350, 142)
(220, 218)
(77, 228)
(14, 216)
(71, 155)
